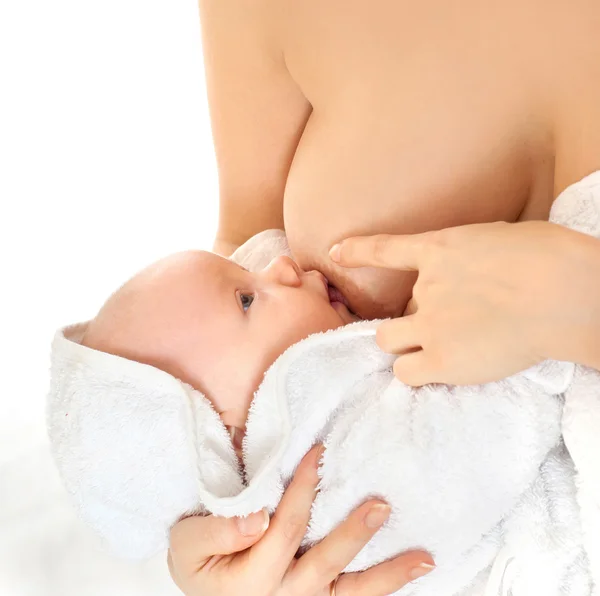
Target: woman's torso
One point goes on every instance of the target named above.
(433, 114)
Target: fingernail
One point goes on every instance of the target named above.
(377, 515)
(420, 570)
(334, 253)
(253, 524)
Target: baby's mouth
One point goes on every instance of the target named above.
(336, 296)
(337, 299)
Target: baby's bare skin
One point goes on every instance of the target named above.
(400, 117)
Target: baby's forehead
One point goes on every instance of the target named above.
(187, 265)
(160, 288)
(173, 278)
(175, 282)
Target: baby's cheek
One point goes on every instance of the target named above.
(305, 318)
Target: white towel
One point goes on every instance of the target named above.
(260, 250)
(452, 462)
(474, 474)
(135, 447)
(578, 207)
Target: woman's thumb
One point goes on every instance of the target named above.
(253, 525)
(197, 538)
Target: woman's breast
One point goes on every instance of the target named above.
(428, 115)
(401, 165)
(408, 135)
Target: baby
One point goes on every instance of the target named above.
(215, 325)
(142, 394)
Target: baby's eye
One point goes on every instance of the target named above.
(246, 300)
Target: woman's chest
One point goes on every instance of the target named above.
(409, 132)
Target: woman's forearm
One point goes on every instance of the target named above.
(591, 340)
(223, 248)
(242, 217)
(577, 334)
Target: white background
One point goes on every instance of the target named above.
(106, 164)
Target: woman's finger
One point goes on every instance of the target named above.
(397, 336)
(196, 538)
(414, 369)
(386, 578)
(325, 561)
(382, 250)
(288, 525)
(411, 307)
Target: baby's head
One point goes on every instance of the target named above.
(213, 324)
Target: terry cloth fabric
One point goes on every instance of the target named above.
(260, 250)
(500, 476)
(135, 447)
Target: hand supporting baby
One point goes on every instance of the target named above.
(216, 555)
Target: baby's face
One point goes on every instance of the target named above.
(213, 324)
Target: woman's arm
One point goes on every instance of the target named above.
(490, 299)
(257, 115)
(581, 340)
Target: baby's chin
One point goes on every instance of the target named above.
(344, 313)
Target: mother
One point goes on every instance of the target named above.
(336, 119)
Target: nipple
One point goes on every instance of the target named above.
(336, 296)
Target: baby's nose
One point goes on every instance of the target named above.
(285, 271)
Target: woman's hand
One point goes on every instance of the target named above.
(212, 556)
(490, 299)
